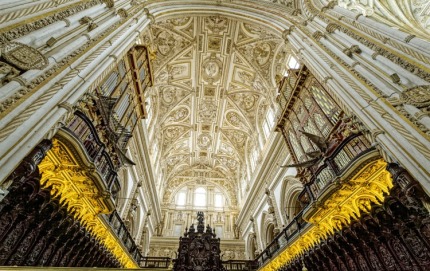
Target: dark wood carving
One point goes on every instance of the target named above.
(199, 250)
(393, 236)
(36, 230)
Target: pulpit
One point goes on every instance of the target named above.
(199, 250)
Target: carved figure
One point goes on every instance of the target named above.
(199, 250)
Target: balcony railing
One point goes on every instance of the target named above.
(165, 262)
(282, 239)
(82, 129)
(342, 158)
(155, 262)
(122, 233)
(237, 265)
(349, 151)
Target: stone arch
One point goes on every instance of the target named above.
(290, 206)
(126, 190)
(267, 229)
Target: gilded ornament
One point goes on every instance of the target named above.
(369, 186)
(23, 56)
(74, 185)
(418, 96)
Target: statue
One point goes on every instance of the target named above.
(236, 231)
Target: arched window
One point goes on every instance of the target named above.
(270, 234)
(181, 197)
(268, 123)
(218, 199)
(292, 63)
(200, 197)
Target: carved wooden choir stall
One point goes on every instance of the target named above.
(199, 250)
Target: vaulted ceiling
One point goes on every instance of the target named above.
(214, 83)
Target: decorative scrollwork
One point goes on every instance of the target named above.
(23, 56)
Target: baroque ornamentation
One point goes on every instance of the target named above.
(342, 207)
(7, 73)
(212, 69)
(216, 24)
(410, 16)
(204, 141)
(122, 13)
(22, 30)
(178, 115)
(235, 61)
(207, 111)
(109, 3)
(418, 96)
(68, 180)
(23, 56)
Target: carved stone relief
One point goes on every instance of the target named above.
(211, 75)
(414, 16)
(204, 141)
(23, 56)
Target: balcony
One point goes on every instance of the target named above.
(82, 130)
(155, 262)
(237, 265)
(151, 263)
(123, 235)
(285, 237)
(349, 156)
(335, 169)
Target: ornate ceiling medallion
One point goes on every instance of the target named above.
(212, 69)
(204, 141)
(207, 111)
(216, 24)
(178, 115)
(261, 53)
(165, 42)
(23, 56)
(234, 119)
